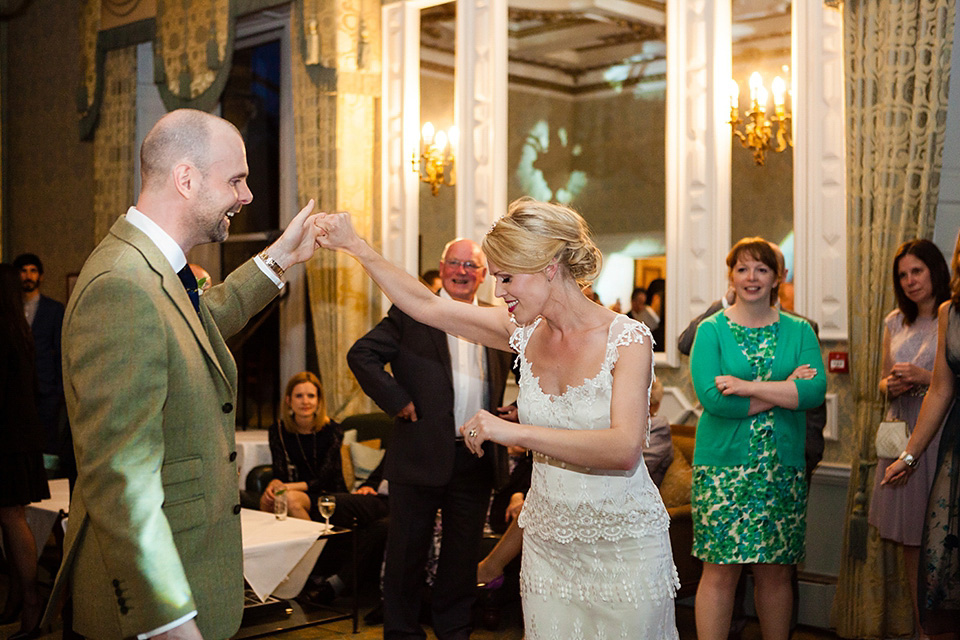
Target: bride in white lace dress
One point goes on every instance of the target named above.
(596, 552)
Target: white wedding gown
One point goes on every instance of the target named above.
(596, 560)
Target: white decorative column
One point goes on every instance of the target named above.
(698, 161)
(401, 129)
(819, 173)
(481, 115)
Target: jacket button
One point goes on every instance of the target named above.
(227, 407)
(124, 610)
(118, 591)
(233, 456)
(236, 509)
(116, 583)
(121, 601)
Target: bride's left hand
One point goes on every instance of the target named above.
(481, 427)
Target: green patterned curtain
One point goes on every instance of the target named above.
(336, 85)
(89, 27)
(897, 69)
(115, 139)
(192, 48)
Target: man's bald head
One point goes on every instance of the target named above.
(184, 135)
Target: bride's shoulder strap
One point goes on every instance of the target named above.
(627, 331)
(521, 335)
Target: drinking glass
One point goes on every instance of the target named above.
(327, 504)
(280, 504)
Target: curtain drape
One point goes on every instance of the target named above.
(193, 47)
(114, 141)
(336, 101)
(897, 66)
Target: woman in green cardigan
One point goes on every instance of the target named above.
(755, 370)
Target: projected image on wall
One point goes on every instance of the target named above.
(547, 153)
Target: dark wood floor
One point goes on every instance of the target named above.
(509, 627)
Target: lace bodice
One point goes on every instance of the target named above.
(567, 502)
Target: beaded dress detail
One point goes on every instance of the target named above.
(596, 557)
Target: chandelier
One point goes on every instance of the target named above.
(757, 135)
(437, 162)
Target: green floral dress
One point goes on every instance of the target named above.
(753, 513)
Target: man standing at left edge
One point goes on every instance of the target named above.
(152, 548)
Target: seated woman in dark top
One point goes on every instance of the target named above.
(305, 447)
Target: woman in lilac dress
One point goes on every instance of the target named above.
(921, 282)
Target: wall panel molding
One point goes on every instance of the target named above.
(819, 193)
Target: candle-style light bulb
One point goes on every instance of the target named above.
(762, 95)
(779, 91)
(734, 91)
(427, 133)
(756, 83)
(441, 140)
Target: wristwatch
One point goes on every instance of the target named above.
(272, 264)
(909, 460)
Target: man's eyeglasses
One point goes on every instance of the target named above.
(467, 266)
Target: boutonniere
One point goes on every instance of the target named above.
(201, 283)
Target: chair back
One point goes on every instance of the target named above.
(258, 479)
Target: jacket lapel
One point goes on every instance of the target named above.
(171, 286)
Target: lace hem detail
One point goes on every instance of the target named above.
(618, 588)
(628, 574)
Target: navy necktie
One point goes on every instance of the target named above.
(190, 284)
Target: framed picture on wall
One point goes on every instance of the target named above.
(648, 269)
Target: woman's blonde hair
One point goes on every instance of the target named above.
(320, 417)
(533, 233)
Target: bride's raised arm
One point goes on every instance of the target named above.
(489, 326)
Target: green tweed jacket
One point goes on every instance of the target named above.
(154, 527)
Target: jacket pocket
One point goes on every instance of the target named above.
(183, 500)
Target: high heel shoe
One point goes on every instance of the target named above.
(496, 583)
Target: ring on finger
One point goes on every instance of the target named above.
(473, 433)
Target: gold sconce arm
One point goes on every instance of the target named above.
(436, 164)
(757, 132)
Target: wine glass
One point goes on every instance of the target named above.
(327, 504)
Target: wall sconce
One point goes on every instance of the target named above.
(438, 159)
(759, 131)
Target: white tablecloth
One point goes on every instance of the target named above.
(41, 516)
(278, 554)
(252, 450)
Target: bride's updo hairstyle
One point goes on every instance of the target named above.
(533, 233)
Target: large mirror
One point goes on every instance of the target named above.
(586, 121)
(762, 195)
(438, 210)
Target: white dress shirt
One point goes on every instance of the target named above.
(468, 363)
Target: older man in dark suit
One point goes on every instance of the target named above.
(438, 383)
(153, 543)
